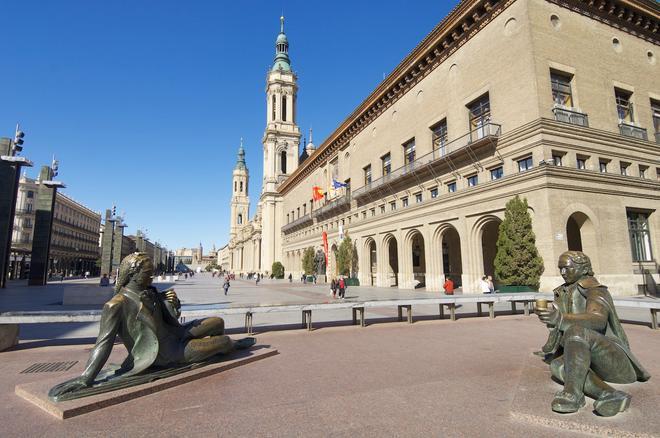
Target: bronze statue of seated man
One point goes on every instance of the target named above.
(587, 342)
(147, 322)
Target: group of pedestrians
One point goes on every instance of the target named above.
(338, 287)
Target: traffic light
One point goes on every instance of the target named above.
(18, 140)
(54, 167)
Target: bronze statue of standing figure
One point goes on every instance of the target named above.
(587, 343)
(147, 322)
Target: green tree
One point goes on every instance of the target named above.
(345, 256)
(517, 262)
(308, 261)
(278, 270)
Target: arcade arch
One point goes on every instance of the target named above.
(447, 251)
(391, 259)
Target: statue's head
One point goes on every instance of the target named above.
(136, 267)
(574, 265)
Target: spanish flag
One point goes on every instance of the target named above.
(317, 193)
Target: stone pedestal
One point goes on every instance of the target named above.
(8, 336)
(37, 392)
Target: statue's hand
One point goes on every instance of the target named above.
(171, 296)
(72, 385)
(549, 317)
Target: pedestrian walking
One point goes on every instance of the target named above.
(342, 287)
(225, 286)
(257, 281)
(333, 288)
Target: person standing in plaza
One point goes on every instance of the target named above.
(491, 285)
(449, 286)
(333, 288)
(342, 287)
(225, 286)
(484, 287)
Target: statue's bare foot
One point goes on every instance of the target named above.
(611, 403)
(567, 402)
(245, 343)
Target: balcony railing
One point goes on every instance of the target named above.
(570, 116)
(633, 131)
(487, 131)
(300, 222)
(341, 203)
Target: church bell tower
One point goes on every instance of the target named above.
(282, 135)
(240, 203)
(281, 141)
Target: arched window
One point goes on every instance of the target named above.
(284, 108)
(273, 107)
(241, 190)
(283, 161)
(240, 219)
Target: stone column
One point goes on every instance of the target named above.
(117, 246)
(106, 243)
(9, 175)
(10, 170)
(43, 227)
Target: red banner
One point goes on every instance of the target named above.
(325, 247)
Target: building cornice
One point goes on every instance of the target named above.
(638, 17)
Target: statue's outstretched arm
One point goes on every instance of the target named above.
(110, 322)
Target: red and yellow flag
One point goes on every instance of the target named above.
(317, 193)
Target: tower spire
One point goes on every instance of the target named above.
(240, 160)
(282, 61)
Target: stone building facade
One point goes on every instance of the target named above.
(74, 247)
(556, 101)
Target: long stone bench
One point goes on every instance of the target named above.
(358, 309)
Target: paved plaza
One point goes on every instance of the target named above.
(471, 377)
(205, 292)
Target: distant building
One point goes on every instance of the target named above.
(74, 246)
(194, 258)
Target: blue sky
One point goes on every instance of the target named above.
(144, 102)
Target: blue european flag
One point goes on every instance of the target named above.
(336, 184)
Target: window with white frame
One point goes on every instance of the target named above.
(525, 164)
(439, 136)
(640, 239)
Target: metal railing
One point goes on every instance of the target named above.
(332, 206)
(570, 116)
(488, 130)
(633, 131)
(298, 222)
